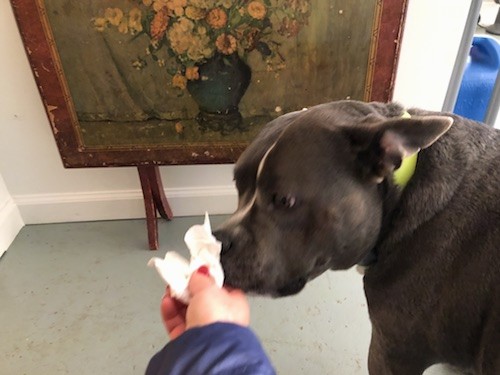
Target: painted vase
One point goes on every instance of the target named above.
(223, 81)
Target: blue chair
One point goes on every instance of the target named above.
(479, 78)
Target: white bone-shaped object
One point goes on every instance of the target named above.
(205, 250)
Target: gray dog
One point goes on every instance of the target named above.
(317, 191)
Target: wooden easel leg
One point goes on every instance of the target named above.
(154, 201)
(159, 197)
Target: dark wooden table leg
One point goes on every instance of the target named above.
(154, 201)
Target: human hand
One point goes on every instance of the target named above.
(208, 304)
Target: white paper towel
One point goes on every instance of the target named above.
(205, 250)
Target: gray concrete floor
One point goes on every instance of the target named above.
(78, 298)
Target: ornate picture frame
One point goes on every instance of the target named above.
(125, 82)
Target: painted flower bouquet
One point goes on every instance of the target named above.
(194, 31)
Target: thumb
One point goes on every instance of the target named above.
(199, 281)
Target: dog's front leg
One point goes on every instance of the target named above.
(385, 359)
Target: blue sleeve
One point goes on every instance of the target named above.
(219, 348)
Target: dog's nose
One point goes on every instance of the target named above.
(225, 239)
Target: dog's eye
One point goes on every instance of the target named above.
(283, 201)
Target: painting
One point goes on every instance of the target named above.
(174, 82)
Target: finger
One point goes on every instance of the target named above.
(175, 323)
(177, 331)
(175, 326)
(174, 316)
(199, 281)
(170, 308)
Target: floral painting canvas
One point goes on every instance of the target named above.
(192, 81)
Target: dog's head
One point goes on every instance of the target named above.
(309, 196)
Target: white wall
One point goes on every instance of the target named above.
(432, 34)
(10, 219)
(46, 192)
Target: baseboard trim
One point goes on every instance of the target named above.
(10, 224)
(121, 204)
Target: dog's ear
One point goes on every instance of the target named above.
(381, 146)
